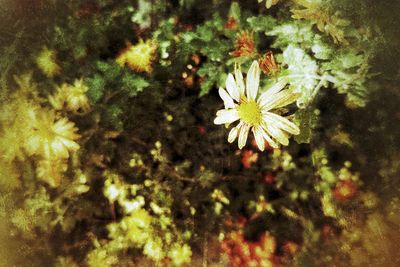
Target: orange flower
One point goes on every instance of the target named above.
(345, 190)
(268, 64)
(244, 253)
(248, 158)
(231, 24)
(196, 59)
(269, 178)
(290, 247)
(244, 46)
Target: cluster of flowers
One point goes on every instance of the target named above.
(30, 129)
(71, 97)
(244, 253)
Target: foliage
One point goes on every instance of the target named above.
(109, 154)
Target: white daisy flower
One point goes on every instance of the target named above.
(254, 114)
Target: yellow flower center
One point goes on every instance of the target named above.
(250, 112)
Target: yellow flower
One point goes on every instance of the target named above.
(46, 61)
(51, 171)
(17, 119)
(52, 138)
(138, 226)
(101, 256)
(71, 97)
(77, 96)
(180, 254)
(138, 57)
(254, 114)
(154, 249)
(59, 98)
(26, 85)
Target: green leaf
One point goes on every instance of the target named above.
(134, 84)
(350, 72)
(142, 14)
(205, 87)
(261, 23)
(217, 51)
(205, 32)
(110, 70)
(96, 88)
(297, 32)
(212, 74)
(321, 49)
(234, 11)
(306, 119)
(113, 116)
(302, 73)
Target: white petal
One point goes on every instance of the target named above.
(277, 133)
(239, 79)
(253, 80)
(288, 99)
(232, 87)
(234, 133)
(281, 122)
(268, 95)
(47, 151)
(280, 99)
(269, 140)
(59, 149)
(228, 101)
(70, 144)
(259, 137)
(243, 133)
(226, 116)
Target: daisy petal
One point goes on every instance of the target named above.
(239, 79)
(280, 99)
(281, 122)
(268, 95)
(277, 133)
(68, 143)
(226, 116)
(234, 133)
(257, 131)
(269, 140)
(243, 133)
(288, 99)
(232, 88)
(59, 147)
(253, 80)
(228, 101)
